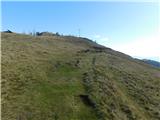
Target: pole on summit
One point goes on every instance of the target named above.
(79, 32)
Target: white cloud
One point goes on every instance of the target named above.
(101, 39)
(146, 47)
(143, 47)
(97, 36)
(104, 39)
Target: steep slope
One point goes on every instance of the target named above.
(70, 78)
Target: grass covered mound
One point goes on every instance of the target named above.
(70, 78)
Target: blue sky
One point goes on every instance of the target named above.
(129, 27)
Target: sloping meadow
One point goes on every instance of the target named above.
(70, 78)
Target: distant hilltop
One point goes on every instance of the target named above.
(152, 62)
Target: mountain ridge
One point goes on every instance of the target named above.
(152, 62)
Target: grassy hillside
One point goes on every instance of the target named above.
(70, 78)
